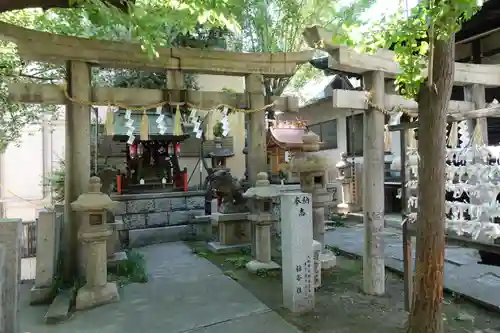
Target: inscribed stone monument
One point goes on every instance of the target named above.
(297, 251)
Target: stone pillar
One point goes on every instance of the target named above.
(77, 160)
(10, 239)
(373, 187)
(297, 252)
(260, 200)
(94, 233)
(312, 172)
(46, 254)
(257, 149)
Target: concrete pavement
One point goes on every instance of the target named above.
(185, 293)
(462, 273)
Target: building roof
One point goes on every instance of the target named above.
(285, 137)
(321, 88)
(486, 20)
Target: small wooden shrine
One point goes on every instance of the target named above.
(151, 164)
(283, 140)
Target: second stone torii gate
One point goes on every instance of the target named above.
(375, 68)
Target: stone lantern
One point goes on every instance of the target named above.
(94, 232)
(312, 169)
(346, 179)
(260, 201)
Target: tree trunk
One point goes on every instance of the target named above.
(426, 312)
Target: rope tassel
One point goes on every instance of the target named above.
(177, 122)
(453, 136)
(387, 138)
(144, 129)
(109, 121)
(477, 137)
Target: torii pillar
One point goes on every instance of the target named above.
(373, 186)
(257, 150)
(77, 161)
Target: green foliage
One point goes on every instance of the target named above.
(131, 270)
(277, 26)
(14, 117)
(410, 37)
(56, 182)
(96, 20)
(238, 262)
(217, 130)
(152, 23)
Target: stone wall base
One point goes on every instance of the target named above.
(143, 237)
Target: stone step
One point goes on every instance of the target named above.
(60, 308)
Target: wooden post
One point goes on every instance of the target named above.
(175, 81)
(476, 93)
(373, 186)
(77, 160)
(257, 154)
(407, 246)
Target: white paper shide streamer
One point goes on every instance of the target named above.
(129, 125)
(225, 121)
(473, 174)
(196, 121)
(160, 120)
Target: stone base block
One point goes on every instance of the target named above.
(90, 297)
(254, 266)
(116, 258)
(217, 247)
(40, 295)
(345, 208)
(328, 259)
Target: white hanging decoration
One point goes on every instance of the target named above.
(473, 175)
(196, 121)
(192, 116)
(463, 130)
(129, 124)
(160, 121)
(225, 121)
(395, 118)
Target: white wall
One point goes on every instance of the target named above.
(25, 166)
(236, 121)
(322, 111)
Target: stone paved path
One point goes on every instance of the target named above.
(185, 293)
(463, 275)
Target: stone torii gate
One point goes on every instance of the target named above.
(375, 69)
(81, 54)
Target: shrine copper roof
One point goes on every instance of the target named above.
(288, 137)
(6, 5)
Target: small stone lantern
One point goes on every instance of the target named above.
(219, 155)
(261, 214)
(94, 232)
(312, 169)
(346, 179)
